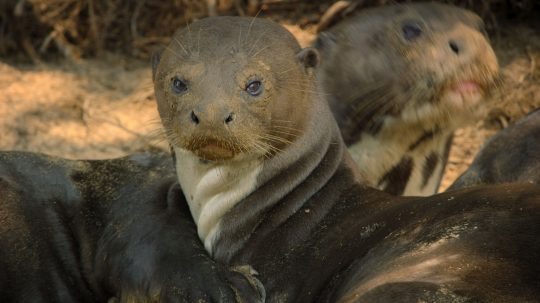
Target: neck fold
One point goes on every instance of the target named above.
(285, 183)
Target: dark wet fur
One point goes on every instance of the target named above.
(397, 177)
(429, 167)
(88, 231)
(512, 155)
(358, 115)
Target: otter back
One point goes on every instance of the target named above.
(512, 155)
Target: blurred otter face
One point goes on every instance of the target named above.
(224, 87)
(423, 62)
(451, 60)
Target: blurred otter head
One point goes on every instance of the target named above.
(426, 63)
(400, 79)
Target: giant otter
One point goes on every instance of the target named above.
(104, 231)
(400, 79)
(292, 204)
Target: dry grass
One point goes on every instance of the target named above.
(104, 107)
(85, 28)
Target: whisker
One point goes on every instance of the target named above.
(180, 44)
(256, 42)
(287, 128)
(275, 136)
(251, 24)
(258, 52)
(240, 38)
(199, 42)
(261, 149)
(286, 134)
(265, 148)
(189, 35)
(174, 53)
(275, 139)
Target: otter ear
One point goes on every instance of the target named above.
(156, 56)
(309, 57)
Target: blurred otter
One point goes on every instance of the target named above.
(114, 230)
(400, 79)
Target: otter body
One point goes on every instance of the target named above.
(399, 80)
(103, 231)
(512, 155)
(306, 221)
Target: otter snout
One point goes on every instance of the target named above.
(211, 116)
(454, 46)
(469, 46)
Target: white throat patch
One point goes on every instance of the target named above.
(378, 154)
(212, 189)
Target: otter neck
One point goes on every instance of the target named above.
(402, 157)
(212, 188)
(276, 198)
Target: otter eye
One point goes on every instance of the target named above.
(411, 31)
(178, 86)
(254, 88)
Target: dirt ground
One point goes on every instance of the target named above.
(104, 108)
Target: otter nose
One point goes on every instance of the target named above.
(229, 118)
(195, 117)
(466, 46)
(454, 46)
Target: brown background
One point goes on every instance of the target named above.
(75, 79)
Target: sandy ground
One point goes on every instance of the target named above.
(105, 108)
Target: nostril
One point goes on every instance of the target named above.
(229, 118)
(454, 46)
(194, 117)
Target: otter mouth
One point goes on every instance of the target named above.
(213, 149)
(471, 85)
(465, 93)
(467, 87)
(214, 152)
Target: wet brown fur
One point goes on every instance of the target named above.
(263, 125)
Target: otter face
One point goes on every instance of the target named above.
(423, 63)
(224, 84)
(215, 112)
(451, 59)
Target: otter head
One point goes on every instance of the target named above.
(230, 86)
(424, 63)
